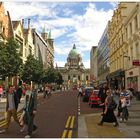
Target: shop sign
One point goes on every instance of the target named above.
(136, 62)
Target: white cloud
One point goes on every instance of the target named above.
(114, 4)
(86, 63)
(88, 28)
(59, 63)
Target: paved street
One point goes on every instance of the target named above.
(88, 128)
(56, 117)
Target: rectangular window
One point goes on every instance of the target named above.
(126, 33)
(130, 29)
(136, 23)
(137, 51)
(1, 28)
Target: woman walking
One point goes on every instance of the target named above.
(108, 115)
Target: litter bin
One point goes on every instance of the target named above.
(138, 95)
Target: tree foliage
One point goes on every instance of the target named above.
(32, 70)
(52, 76)
(10, 58)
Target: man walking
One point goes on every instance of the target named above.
(11, 108)
(30, 108)
(19, 92)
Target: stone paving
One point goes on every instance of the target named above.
(88, 128)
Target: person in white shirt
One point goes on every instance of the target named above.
(125, 114)
(79, 92)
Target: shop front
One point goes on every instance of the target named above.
(133, 78)
(116, 79)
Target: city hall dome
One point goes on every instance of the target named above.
(73, 53)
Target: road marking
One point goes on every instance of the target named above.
(72, 122)
(64, 134)
(70, 134)
(2, 123)
(68, 122)
(69, 125)
(79, 106)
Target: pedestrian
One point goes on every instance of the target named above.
(80, 92)
(108, 115)
(46, 91)
(125, 102)
(124, 115)
(19, 92)
(30, 109)
(102, 95)
(11, 108)
(1, 92)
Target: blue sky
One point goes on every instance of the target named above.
(79, 23)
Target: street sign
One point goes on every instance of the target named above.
(136, 62)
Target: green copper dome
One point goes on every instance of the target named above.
(73, 52)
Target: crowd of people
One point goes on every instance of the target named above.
(112, 100)
(29, 110)
(117, 100)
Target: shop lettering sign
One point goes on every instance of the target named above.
(136, 62)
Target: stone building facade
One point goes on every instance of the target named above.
(49, 50)
(124, 44)
(5, 24)
(74, 72)
(42, 50)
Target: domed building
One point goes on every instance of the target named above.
(74, 72)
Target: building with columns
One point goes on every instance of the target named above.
(123, 34)
(74, 72)
(132, 48)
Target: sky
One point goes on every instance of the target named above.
(79, 23)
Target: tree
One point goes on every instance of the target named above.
(59, 80)
(49, 76)
(10, 60)
(32, 70)
(52, 76)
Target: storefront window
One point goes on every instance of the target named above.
(132, 82)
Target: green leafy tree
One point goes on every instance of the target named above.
(32, 70)
(59, 80)
(49, 76)
(10, 58)
(52, 76)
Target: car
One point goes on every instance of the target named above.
(94, 99)
(86, 93)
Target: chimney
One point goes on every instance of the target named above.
(28, 23)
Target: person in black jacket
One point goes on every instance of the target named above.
(19, 92)
(102, 95)
(30, 109)
(12, 102)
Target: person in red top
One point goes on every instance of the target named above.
(1, 92)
